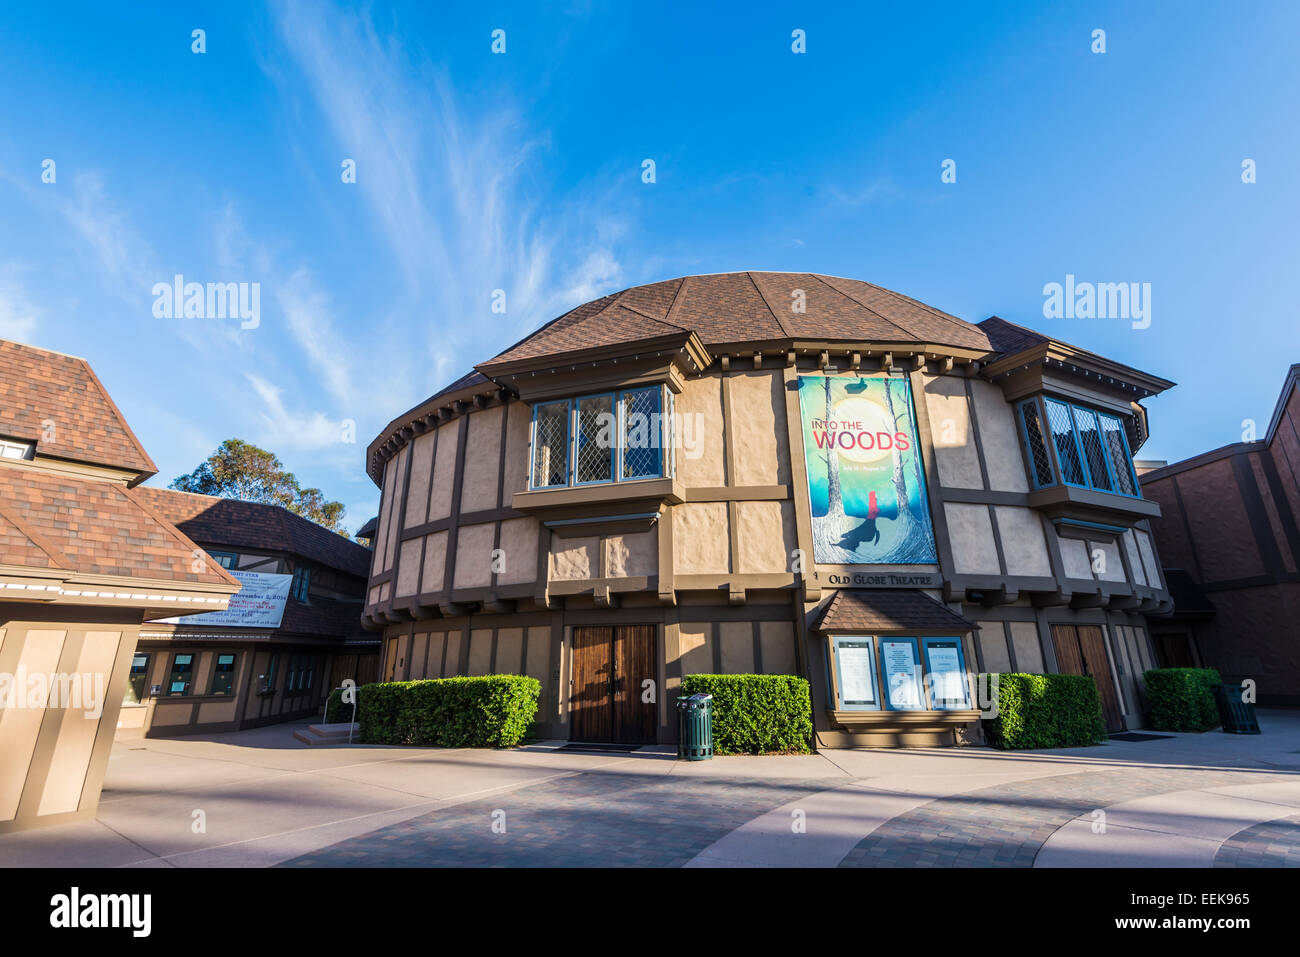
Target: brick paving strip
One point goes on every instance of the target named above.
(589, 820)
(1006, 825)
(1267, 844)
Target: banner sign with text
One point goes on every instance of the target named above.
(258, 604)
(866, 483)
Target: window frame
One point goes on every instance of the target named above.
(615, 451)
(218, 556)
(144, 679)
(568, 445)
(217, 672)
(1074, 409)
(918, 672)
(937, 704)
(666, 458)
(171, 675)
(300, 586)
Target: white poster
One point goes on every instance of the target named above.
(946, 673)
(258, 604)
(902, 678)
(857, 673)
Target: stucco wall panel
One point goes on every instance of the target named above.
(417, 497)
(759, 439)
(1075, 558)
(480, 652)
(1029, 653)
(699, 407)
(993, 646)
(950, 431)
(572, 559)
(408, 566)
(628, 556)
(435, 562)
(444, 470)
(473, 567)
(766, 536)
(737, 647)
(999, 438)
(519, 551)
(776, 643)
(971, 533)
(510, 652)
(518, 426)
(482, 461)
(1023, 543)
(701, 540)
(696, 641)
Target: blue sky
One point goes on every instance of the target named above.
(522, 172)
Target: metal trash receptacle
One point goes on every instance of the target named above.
(695, 725)
(1237, 715)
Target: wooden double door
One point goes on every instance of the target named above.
(610, 701)
(1081, 650)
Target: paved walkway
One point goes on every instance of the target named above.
(259, 798)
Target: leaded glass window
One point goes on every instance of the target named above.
(1094, 456)
(1041, 458)
(642, 433)
(551, 445)
(1067, 449)
(1112, 434)
(597, 439)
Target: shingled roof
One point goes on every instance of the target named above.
(747, 307)
(57, 402)
(889, 610)
(218, 522)
(56, 521)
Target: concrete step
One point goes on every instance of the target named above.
(323, 734)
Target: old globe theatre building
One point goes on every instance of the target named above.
(771, 473)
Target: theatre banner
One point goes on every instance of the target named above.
(258, 604)
(866, 483)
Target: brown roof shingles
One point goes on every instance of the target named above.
(889, 610)
(91, 526)
(743, 307)
(222, 521)
(58, 402)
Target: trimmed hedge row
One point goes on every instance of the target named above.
(1045, 711)
(492, 711)
(1181, 699)
(757, 714)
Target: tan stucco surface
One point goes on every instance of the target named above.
(971, 533)
(474, 555)
(950, 431)
(519, 550)
(1023, 543)
(700, 538)
(700, 408)
(482, 461)
(758, 436)
(766, 537)
(999, 439)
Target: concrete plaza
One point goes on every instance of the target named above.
(260, 798)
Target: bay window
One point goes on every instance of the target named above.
(1076, 445)
(606, 437)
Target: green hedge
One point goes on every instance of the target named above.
(757, 714)
(1045, 711)
(1181, 699)
(493, 711)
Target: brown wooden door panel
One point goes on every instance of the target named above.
(1069, 660)
(634, 657)
(590, 707)
(1093, 645)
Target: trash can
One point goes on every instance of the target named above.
(695, 724)
(1238, 716)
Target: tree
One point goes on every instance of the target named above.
(241, 470)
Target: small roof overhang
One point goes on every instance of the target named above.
(890, 611)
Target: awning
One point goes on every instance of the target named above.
(890, 610)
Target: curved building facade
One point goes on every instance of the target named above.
(771, 473)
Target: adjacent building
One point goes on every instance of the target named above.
(773, 473)
(293, 633)
(84, 560)
(1229, 539)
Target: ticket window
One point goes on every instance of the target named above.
(899, 673)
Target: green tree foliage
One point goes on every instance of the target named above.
(241, 470)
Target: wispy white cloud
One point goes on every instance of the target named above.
(451, 189)
(294, 430)
(19, 316)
